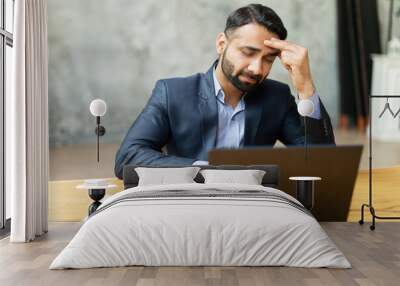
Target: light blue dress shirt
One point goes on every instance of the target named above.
(231, 121)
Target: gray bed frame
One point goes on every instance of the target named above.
(270, 179)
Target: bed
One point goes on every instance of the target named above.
(201, 224)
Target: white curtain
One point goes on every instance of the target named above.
(27, 158)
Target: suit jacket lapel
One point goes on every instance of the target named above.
(253, 112)
(209, 112)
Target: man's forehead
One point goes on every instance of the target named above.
(256, 46)
(252, 36)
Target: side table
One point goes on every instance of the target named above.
(96, 191)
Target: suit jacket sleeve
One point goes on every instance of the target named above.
(319, 131)
(148, 135)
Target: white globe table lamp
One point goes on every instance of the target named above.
(98, 108)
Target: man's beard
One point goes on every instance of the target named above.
(228, 69)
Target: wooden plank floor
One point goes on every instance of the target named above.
(374, 255)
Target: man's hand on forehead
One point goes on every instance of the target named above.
(295, 59)
(281, 44)
(289, 53)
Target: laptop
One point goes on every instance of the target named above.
(336, 165)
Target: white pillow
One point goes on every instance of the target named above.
(248, 177)
(162, 176)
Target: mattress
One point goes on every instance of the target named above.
(201, 225)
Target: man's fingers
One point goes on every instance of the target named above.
(275, 45)
(280, 45)
(289, 58)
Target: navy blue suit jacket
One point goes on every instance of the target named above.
(182, 116)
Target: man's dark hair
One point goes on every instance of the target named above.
(256, 13)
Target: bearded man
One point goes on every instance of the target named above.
(233, 104)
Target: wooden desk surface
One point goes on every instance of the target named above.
(66, 203)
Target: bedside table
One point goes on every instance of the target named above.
(96, 191)
(305, 190)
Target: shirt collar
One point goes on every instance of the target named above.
(219, 92)
(217, 87)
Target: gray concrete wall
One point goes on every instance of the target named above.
(117, 49)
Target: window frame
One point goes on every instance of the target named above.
(6, 39)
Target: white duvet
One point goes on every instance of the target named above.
(185, 231)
